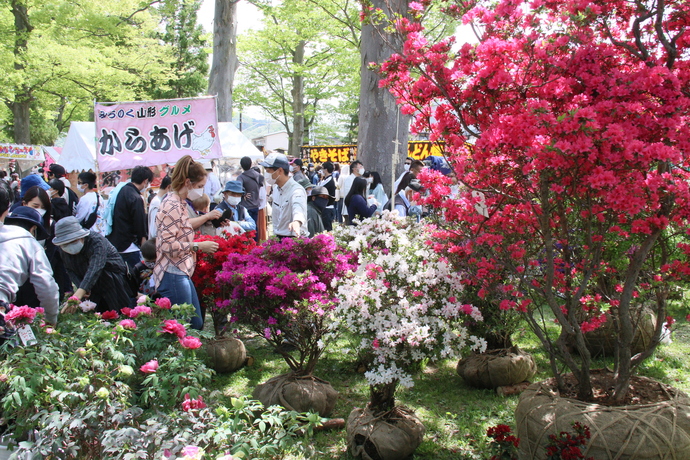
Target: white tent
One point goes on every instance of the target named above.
(79, 151)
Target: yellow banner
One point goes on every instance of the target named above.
(346, 153)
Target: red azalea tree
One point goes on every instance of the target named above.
(572, 117)
(207, 267)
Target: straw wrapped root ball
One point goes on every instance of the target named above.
(497, 368)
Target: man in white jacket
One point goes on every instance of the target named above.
(22, 259)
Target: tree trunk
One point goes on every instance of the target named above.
(382, 397)
(297, 102)
(225, 62)
(22, 100)
(378, 113)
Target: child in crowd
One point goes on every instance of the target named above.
(144, 269)
(202, 206)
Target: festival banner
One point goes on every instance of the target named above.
(130, 134)
(346, 153)
(21, 152)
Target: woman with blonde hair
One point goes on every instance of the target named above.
(175, 245)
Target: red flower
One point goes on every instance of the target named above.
(111, 314)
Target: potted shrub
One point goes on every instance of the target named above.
(402, 308)
(571, 118)
(503, 364)
(227, 354)
(282, 291)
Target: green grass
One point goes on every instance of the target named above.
(455, 415)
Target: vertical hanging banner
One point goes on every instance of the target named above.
(130, 134)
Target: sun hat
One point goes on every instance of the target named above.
(321, 191)
(28, 214)
(275, 160)
(234, 186)
(67, 230)
(31, 180)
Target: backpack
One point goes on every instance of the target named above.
(73, 200)
(91, 219)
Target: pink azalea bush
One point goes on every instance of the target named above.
(569, 124)
(281, 290)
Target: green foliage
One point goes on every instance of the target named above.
(75, 53)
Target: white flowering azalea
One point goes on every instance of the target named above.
(401, 303)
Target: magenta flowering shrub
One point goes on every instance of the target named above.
(281, 290)
(567, 126)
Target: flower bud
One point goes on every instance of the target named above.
(81, 351)
(102, 393)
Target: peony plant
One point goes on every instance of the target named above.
(282, 291)
(571, 118)
(402, 304)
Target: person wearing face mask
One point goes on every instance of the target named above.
(232, 197)
(356, 170)
(375, 186)
(26, 277)
(296, 168)
(56, 171)
(356, 203)
(328, 181)
(94, 266)
(403, 200)
(175, 246)
(60, 208)
(155, 204)
(289, 198)
(253, 184)
(128, 229)
(90, 207)
(316, 204)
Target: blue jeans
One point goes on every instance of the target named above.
(180, 289)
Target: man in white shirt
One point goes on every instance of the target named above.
(356, 170)
(289, 198)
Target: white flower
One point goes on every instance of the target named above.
(87, 305)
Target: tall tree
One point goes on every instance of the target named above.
(225, 63)
(63, 55)
(189, 66)
(382, 128)
(294, 64)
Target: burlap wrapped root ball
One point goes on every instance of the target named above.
(638, 432)
(227, 354)
(497, 368)
(602, 340)
(393, 436)
(299, 393)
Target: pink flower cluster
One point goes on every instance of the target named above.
(171, 326)
(192, 404)
(20, 315)
(150, 367)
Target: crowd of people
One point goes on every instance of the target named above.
(57, 242)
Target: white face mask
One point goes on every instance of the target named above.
(370, 180)
(269, 178)
(360, 171)
(81, 188)
(195, 193)
(407, 167)
(233, 200)
(74, 247)
(41, 211)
